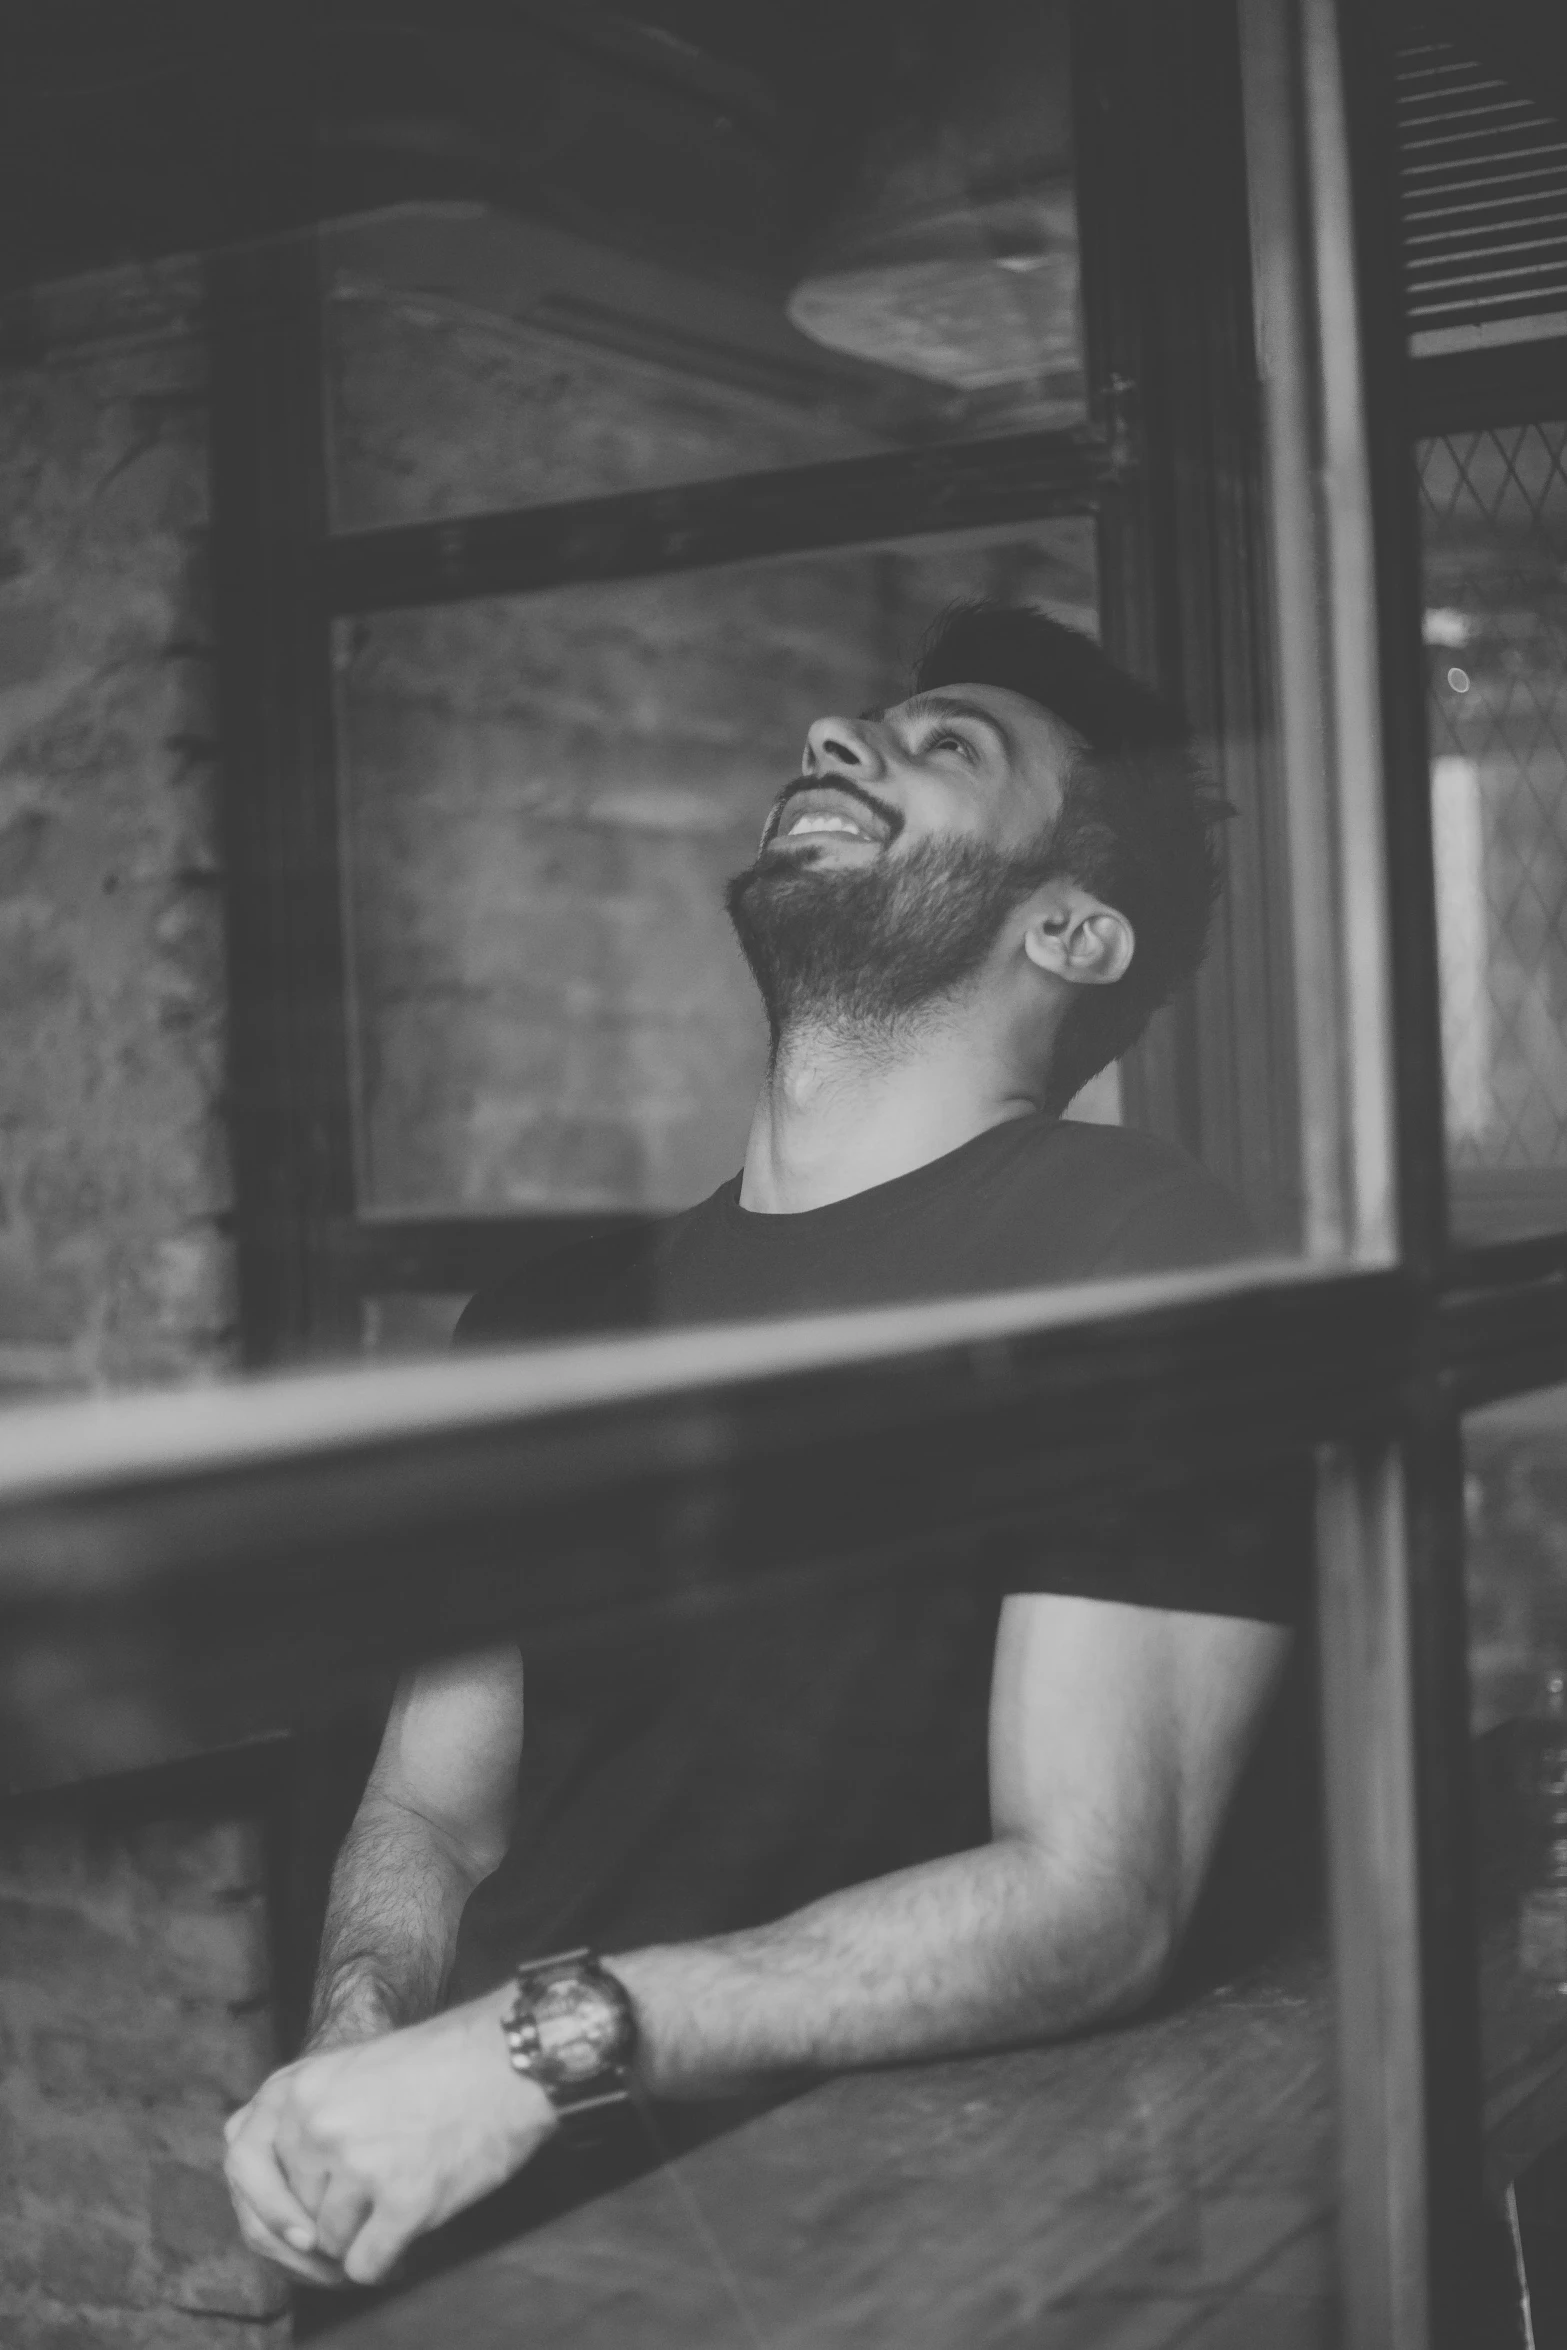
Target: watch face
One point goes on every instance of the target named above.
(580, 2029)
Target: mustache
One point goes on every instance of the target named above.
(838, 783)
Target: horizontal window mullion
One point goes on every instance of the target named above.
(1487, 387)
(1129, 1332)
(1027, 478)
(1501, 1327)
(178, 1601)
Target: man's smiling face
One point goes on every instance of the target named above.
(972, 762)
(887, 868)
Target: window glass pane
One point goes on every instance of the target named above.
(398, 1323)
(1516, 1501)
(1495, 511)
(556, 1047)
(544, 799)
(861, 244)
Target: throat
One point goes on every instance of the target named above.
(840, 1114)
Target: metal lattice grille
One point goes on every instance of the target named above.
(1495, 515)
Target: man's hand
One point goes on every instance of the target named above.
(340, 2160)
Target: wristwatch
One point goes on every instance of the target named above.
(572, 2029)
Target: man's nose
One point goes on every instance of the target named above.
(840, 746)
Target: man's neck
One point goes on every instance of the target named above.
(839, 1114)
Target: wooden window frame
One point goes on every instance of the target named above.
(205, 1561)
(1168, 463)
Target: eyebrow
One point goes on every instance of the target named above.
(952, 706)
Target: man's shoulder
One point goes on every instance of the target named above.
(1129, 1157)
(1136, 1202)
(609, 1277)
(592, 1282)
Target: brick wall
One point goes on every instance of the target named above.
(133, 1987)
(134, 2015)
(113, 1176)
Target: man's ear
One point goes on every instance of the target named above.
(1081, 940)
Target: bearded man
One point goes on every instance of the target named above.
(872, 1825)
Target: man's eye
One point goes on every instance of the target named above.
(956, 742)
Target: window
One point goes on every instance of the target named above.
(543, 800)
(1496, 503)
(644, 487)
(181, 1571)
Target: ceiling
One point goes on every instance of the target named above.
(134, 128)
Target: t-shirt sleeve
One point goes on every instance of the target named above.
(1240, 1546)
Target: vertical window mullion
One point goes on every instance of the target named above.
(1390, 1611)
(1390, 1524)
(289, 1085)
(1172, 381)
(1373, 1877)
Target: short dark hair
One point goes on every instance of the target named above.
(1137, 818)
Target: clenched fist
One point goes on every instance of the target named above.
(340, 2160)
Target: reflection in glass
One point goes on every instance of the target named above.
(400, 1323)
(677, 291)
(1516, 1506)
(1542, 1914)
(1495, 508)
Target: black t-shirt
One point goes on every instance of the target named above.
(698, 1779)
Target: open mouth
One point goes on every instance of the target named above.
(830, 812)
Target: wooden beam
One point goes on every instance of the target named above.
(1498, 385)
(289, 1087)
(851, 502)
(1172, 372)
(180, 1571)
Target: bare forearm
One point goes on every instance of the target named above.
(984, 1949)
(397, 1897)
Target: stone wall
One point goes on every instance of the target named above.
(113, 1177)
(134, 2015)
(133, 1980)
(437, 408)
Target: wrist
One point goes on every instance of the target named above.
(522, 2108)
(569, 2028)
(356, 2008)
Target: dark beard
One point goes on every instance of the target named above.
(869, 948)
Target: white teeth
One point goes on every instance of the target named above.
(825, 824)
